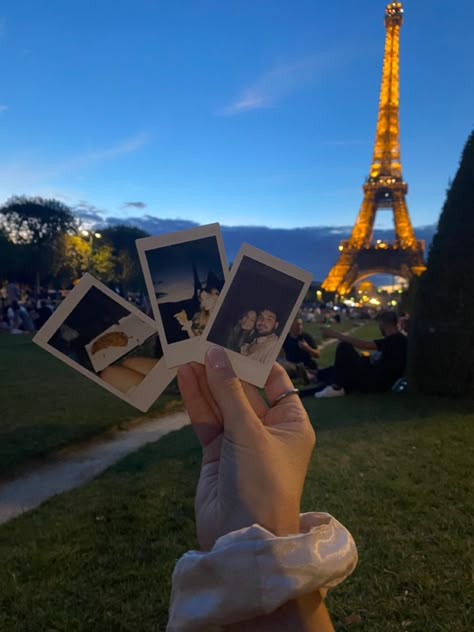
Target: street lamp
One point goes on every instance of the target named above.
(91, 235)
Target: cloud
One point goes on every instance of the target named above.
(91, 158)
(88, 214)
(280, 81)
(28, 174)
(134, 205)
(153, 225)
(248, 101)
(3, 108)
(314, 248)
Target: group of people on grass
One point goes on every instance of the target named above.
(22, 312)
(376, 371)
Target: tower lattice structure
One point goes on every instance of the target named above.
(384, 188)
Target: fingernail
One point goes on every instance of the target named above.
(216, 358)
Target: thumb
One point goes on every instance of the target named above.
(226, 389)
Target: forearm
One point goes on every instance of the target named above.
(315, 353)
(306, 614)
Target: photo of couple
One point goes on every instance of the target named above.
(202, 305)
(255, 310)
(255, 334)
(186, 278)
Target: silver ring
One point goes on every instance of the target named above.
(291, 391)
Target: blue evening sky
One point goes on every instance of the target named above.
(257, 112)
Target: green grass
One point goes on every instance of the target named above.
(44, 404)
(395, 469)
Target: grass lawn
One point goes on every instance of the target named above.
(44, 404)
(395, 469)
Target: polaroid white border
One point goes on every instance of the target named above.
(247, 369)
(178, 353)
(146, 393)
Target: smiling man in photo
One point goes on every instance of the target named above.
(263, 346)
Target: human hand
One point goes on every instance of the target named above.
(302, 344)
(255, 456)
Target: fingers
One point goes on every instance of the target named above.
(228, 392)
(278, 382)
(200, 373)
(256, 400)
(205, 423)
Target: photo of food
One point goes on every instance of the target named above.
(110, 339)
(104, 337)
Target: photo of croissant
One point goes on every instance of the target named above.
(110, 339)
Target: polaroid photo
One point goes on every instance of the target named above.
(254, 312)
(108, 340)
(184, 273)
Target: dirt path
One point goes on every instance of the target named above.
(74, 466)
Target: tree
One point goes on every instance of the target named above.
(103, 264)
(37, 223)
(127, 272)
(72, 260)
(442, 346)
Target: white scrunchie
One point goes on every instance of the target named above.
(252, 572)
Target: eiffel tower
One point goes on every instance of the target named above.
(384, 189)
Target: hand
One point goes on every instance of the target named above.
(302, 344)
(255, 457)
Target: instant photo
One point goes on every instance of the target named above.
(108, 340)
(185, 273)
(254, 313)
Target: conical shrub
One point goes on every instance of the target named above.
(442, 337)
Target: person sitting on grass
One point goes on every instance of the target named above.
(299, 353)
(373, 374)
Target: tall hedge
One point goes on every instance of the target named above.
(442, 345)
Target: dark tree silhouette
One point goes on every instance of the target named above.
(37, 224)
(442, 346)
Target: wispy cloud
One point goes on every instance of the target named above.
(134, 205)
(3, 108)
(33, 171)
(89, 159)
(280, 81)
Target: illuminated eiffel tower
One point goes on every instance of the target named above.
(384, 189)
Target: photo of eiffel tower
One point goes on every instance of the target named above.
(385, 188)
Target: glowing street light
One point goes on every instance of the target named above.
(92, 235)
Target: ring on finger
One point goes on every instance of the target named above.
(290, 391)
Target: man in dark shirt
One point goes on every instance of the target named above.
(377, 373)
(299, 353)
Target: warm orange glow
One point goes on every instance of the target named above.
(385, 187)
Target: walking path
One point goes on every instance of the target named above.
(74, 466)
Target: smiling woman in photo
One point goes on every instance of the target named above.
(243, 332)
